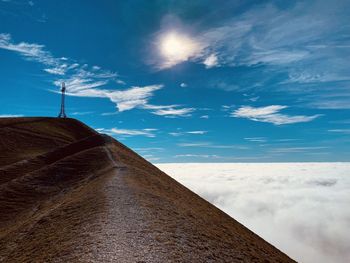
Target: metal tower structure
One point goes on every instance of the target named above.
(63, 91)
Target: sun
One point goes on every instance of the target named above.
(176, 47)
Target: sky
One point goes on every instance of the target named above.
(301, 208)
(187, 81)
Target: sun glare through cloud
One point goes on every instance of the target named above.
(176, 48)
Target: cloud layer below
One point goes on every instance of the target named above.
(301, 208)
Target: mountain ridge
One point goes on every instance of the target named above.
(72, 194)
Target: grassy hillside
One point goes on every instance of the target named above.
(69, 194)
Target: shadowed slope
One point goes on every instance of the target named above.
(81, 196)
(22, 138)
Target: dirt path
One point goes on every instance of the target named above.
(101, 222)
(89, 201)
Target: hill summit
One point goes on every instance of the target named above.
(70, 194)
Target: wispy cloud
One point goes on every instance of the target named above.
(85, 81)
(56, 66)
(211, 61)
(249, 39)
(296, 149)
(81, 113)
(296, 44)
(129, 132)
(172, 112)
(287, 140)
(270, 114)
(344, 131)
(10, 115)
(332, 103)
(59, 70)
(256, 139)
(197, 132)
(150, 157)
(213, 146)
(254, 99)
(148, 149)
(187, 132)
(213, 156)
(199, 144)
(308, 77)
(132, 98)
(30, 51)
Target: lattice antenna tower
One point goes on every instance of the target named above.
(63, 92)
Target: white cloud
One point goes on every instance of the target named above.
(211, 61)
(183, 112)
(301, 208)
(10, 115)
(204, 117)
(148, 149)
(82, 87)
(109, 113)
(56, 66)
(313, 77)
(256, 139)
(197, 132)
(29, 51)
(81, 113)
(150, 157)
(183, 85)
(129, 132)
(120, 82)
(58, 70)
(296, 149)
(188, 132)
(270, 114)
(299, 41)
(197, 156)
(132, 98)
(127, 99)
(197, 144)
(276, 57)
(213, 146)
(238, 42)
(237, 147)
(327, 102)
(287, 140)
(344, 131)
(176, 134)
(84, 82)
(254, 99)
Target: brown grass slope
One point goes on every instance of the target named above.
(68, 194)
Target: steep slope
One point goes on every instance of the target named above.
(22, 138)
(68, 194)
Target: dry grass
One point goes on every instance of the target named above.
(72, 203)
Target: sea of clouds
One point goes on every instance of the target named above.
(301, 208)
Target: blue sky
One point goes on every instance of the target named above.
(187, 81)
